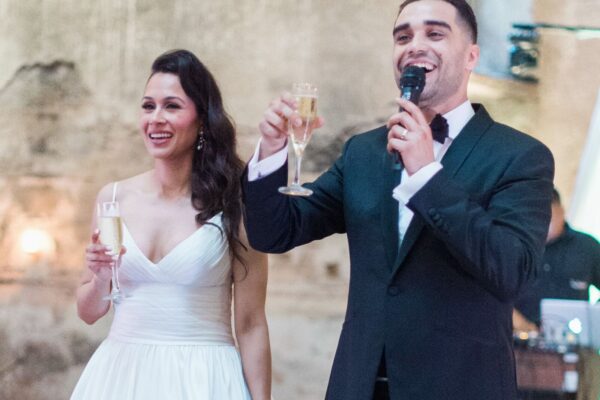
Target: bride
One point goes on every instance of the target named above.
(186, 257)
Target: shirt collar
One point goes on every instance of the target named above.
(458, 118)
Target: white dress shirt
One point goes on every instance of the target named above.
(457, 119)
(409, 185)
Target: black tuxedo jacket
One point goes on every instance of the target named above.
(437, 306)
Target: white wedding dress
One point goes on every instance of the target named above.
(171, 338)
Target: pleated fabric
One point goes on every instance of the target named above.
(171, 337)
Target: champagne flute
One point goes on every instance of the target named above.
(306, 98)
(111, 235)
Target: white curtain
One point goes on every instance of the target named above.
(584, 212)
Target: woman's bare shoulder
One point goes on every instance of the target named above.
(125, 187)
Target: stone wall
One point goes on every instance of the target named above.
(73, 73)
(570, 81)
(255, 49)
(582, 13)
(71, 78)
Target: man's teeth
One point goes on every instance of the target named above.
(428, 67)
(160, 135)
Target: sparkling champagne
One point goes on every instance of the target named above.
(300, 135)
(111, 233)
(306, 101)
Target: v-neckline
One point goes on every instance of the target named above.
(208, 222)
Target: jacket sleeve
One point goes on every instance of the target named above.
(498, 241)
(276, 223)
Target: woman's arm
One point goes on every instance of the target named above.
(94, 285)
(252, 332)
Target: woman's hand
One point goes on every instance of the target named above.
(98, 259)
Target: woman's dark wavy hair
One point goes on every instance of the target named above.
(216, 168)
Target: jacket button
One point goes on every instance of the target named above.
(393, 290)
(432, 212)
(547, 267)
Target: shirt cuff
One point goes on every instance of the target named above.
(410, 185)
(258, 169)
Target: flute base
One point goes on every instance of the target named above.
(116, 296)
(295, 190)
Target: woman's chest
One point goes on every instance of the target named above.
(157, 231)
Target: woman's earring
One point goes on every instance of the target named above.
(201, 140)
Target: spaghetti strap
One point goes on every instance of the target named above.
(114, 198)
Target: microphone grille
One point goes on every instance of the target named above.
(413, 77)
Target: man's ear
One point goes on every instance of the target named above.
(472, 57)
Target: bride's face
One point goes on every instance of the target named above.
(168, 121)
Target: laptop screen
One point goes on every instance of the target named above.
(566, 322)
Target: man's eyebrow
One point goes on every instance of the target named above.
(439, 23)
(427, 22)
(400, 28)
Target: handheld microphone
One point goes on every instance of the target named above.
(412, 83)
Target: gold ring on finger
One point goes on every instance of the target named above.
(402, 136)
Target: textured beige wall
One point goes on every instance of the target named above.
(73, 73)
(569, 83)
(569, 68)
(584, 13)
(71, 76)
(255, 48)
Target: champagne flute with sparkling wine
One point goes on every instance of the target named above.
(306, 100)
(111, 235)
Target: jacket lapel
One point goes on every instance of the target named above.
(467, 139)
(458, 152)
(391, 172)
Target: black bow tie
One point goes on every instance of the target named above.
(439, 128)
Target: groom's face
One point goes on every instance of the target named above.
(430, 34)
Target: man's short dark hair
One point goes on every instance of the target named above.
(465, 13)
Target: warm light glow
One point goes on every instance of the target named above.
(36, 241)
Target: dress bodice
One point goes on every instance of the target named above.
(185, 298)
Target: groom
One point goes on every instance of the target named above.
(440, 248)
